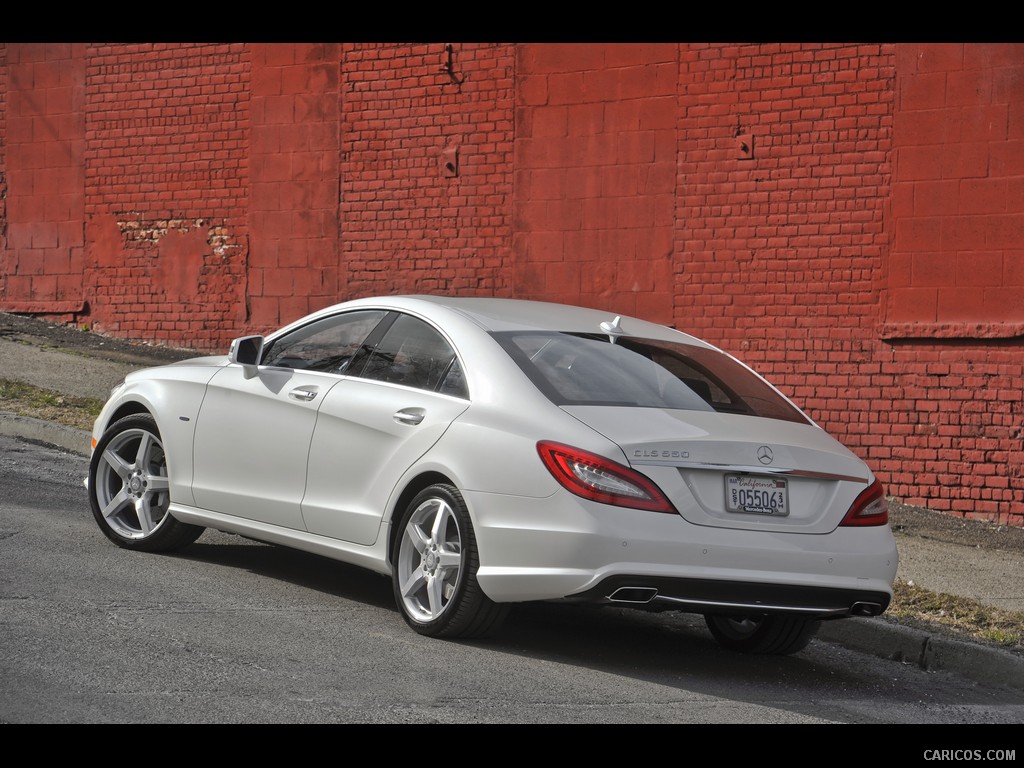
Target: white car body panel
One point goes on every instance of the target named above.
(373, 558)
(252, 443)
(361, 448)
(175, 392)
(560, 546)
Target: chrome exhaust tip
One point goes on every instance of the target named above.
(634, 595)
(865, 609)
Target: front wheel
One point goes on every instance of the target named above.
(435, 565)
(129, 490)
(777, 635)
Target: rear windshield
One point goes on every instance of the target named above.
(584, 369)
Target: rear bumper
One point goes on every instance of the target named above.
(564, 547)
(732, 597)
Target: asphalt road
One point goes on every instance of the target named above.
(234, 631)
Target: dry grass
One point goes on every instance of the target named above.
(27, 400)
(952, 615)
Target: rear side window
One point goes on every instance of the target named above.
(414, 354)
(583, 369)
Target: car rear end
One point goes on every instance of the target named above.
(706, 490)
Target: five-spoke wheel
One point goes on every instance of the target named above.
(435, 564)
(129, 488)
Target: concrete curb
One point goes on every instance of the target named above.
(896, 642)
(49, 433)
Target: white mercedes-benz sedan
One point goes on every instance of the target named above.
(486, 452)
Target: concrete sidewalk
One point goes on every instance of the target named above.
(938, 552)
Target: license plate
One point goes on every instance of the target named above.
(756, 495)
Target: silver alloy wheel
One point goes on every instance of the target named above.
(131, 484)
(430, 560)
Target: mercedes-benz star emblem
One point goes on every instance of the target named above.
(764, 454)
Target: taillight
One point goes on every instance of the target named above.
(870, 508)
(599, 479)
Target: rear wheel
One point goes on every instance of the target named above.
(129, 489)
(767, 634)
(435, 565)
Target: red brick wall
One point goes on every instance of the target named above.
(293, 209)
(784, 253)
(409, 222)
(957, 264)
(42, 255)
(166, 170)
(595, 175)
(846, 218)
(3, 170)
(954, 314)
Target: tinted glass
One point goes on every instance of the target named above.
(575, 369)
(414, 354)
(326, 345)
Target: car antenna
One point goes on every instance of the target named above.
(613, 329)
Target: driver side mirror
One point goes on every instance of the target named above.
(246, 351)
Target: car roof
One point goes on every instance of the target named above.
(502, 314)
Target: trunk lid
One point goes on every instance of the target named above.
(736, 471)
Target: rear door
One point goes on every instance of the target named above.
(374, 426)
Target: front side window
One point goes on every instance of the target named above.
(585, 369)
(326, 345)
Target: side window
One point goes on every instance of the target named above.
(326, 345)
(416, 355)
(454, 381)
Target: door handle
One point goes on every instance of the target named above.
(410, 416)
(303, 394)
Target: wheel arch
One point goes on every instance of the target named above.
(414, 486)
(127, 404)
(129, 408)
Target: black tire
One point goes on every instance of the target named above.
(128, 489)
(777, 635)
(434, 569)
